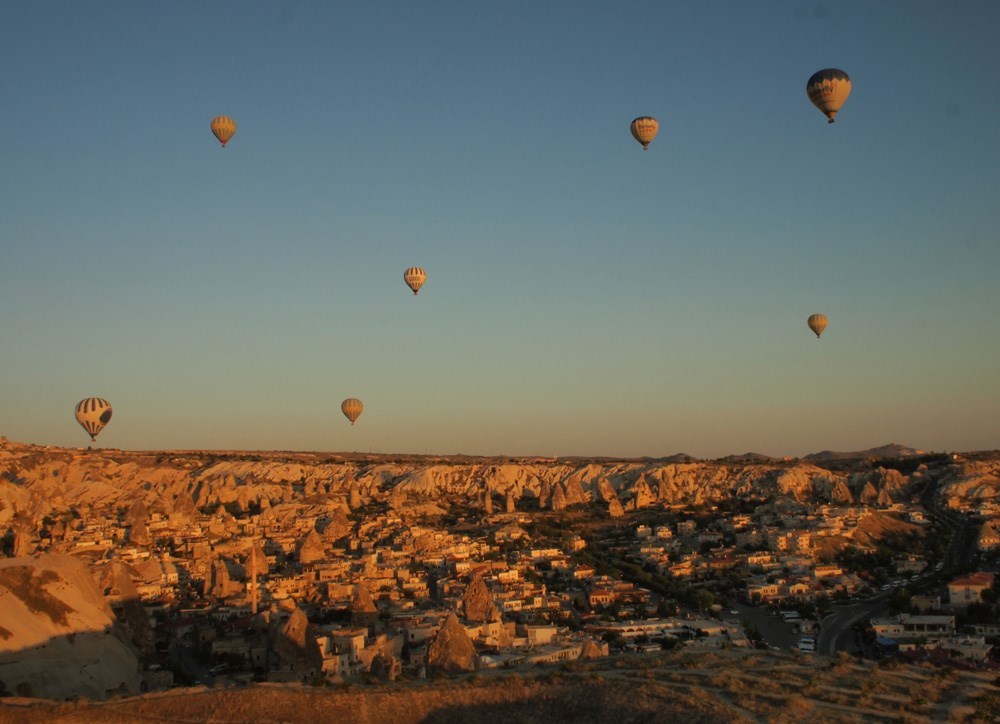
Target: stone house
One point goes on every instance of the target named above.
(968, 589)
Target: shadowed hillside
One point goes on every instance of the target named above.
(693, 686)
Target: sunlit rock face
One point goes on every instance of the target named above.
(56, 633)
(363, 610)
(451, 650)
(477, 604)
(36, 482)
(971, 481)
(311, 548)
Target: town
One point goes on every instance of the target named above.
(226, 568)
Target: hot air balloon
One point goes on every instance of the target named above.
(415, 278)
(817, 323)
(351, 407)
(828, 89)
(224, 128)
(644, 130)
(93, 414)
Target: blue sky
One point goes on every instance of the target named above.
(583, 297)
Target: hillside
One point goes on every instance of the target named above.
(56, 620)
(692, 686)
(892, 450)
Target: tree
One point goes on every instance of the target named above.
(703, 599)
(752, 632)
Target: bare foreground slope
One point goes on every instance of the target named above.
(693, 686)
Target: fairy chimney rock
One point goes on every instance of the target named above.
(363, 609)
(311, 548)
(558, 501)
(294, 644)
(451, 649)
(477, 603)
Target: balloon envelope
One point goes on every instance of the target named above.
(415, 278)
(351, 407)
(224, 128)
(828, 89)
(644, 130)
(817, 323)
(93, 414)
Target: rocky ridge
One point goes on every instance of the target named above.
(36, 481)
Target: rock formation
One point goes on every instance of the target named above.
(57, 637)
(544, 494)
(222, 585)
(386, 667)
(138, 534)
(642, 496)
(574, 492)
(256, 561)
(184, 508)
(558, 498)
(841, 494)
(137, 514)
(884, 500)
(590, 650)
(337, 527)
(477, 604)
(311, 548)
(364, 613)
(397, 499)
(102, 478)
(24, 542)
(120, 591)
(295, 645)
(451, 649)
(58, 531)
(664, 493)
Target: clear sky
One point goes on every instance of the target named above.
(583, 297)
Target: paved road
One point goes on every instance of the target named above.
(837, 629)
(837, 634)
(775, 631)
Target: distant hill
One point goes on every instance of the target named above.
(748, 457)
(675, 458)
(892, 450)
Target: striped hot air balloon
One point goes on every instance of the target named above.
(644, 129)
(93, 414)
(828, 89)
(351, 407)
(415, 278)
(817, 323)
(224, 128)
